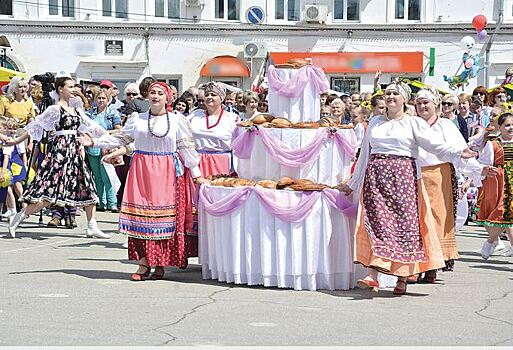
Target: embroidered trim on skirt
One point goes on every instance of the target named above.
(495, 196)
(391, 208)
(394, 234)
(153, 212)
(442, 188)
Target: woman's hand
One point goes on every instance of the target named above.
(343, 187)
(489, 171)
(201, 180)
(86, 140)
(467, 153)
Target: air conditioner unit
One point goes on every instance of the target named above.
(315, 13)
(255, 50)
(194, 3)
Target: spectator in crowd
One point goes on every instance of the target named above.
(229, 102)
(449, 105)
(251, 101)
(470, 118)
(141, 103)
(181, 106)
(263, 106)
(16, 103)
(113, 91)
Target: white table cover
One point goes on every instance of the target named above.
(251, 246)
(331, 168)
(305, 107)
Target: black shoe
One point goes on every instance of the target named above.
(102, 209)
(114, 209)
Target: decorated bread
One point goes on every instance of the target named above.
(281, 123)
(244, 182)
(284, 182)
(308, 187)
(262, 118)
(306, 125)
(267, 184)
(328, 122)
(245, 123)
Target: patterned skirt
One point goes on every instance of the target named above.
(442, 188)
(495, 200)
(63, 177)
(153, 212)
(390, 237)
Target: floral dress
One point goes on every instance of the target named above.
(63, 178)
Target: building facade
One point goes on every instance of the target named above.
(186, 42)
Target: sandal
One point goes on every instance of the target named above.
(413, 279)
(429, 277)
(158, 274)
(368, 283)
(141, 276)
(400, 291)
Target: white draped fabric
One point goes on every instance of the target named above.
(305, 107)
(251, 246)
(330, 168)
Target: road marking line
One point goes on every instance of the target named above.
(54, 295)
(263, 324)
(37, 246)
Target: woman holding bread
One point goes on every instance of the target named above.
(392, 233)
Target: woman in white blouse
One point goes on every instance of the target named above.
(391, 235)
(153, 210)
(212, 129)
(439, 177)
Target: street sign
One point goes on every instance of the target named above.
(255, 15)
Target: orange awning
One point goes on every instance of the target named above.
(358, 62)
(225, 66)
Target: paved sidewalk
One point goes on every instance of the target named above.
(59, 288)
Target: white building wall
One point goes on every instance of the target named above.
(182, 54)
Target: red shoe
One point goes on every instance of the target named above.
(140, 276)
(412, 279)
(400, 291)
(368, 284)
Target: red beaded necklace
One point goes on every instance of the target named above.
(218, 119)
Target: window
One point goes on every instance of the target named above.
(407, 9)
(120, 6)
(121, 9)
(346, 9)
(6, 7)
(67, 6)
(107, 7)
(289, 7)
(173, 8)
(345, 84)
(53, 7)
(227, 9)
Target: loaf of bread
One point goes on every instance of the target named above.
(262, 118)
(284, 182)
(306, 125)
(267, 184)
(308, 187)
(245, 123)
(281, 123)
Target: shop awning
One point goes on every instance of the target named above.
(6, 74)
(225, 66)
(358, 62)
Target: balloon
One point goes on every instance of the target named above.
(469, 63)
(481, 35)
(479, 22)
(467, 43)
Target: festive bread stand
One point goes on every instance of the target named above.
(246, 243)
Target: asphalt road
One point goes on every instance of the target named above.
(59, 288)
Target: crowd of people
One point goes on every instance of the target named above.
(60, 138)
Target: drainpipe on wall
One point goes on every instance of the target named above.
(147, 50)
(500, 19)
